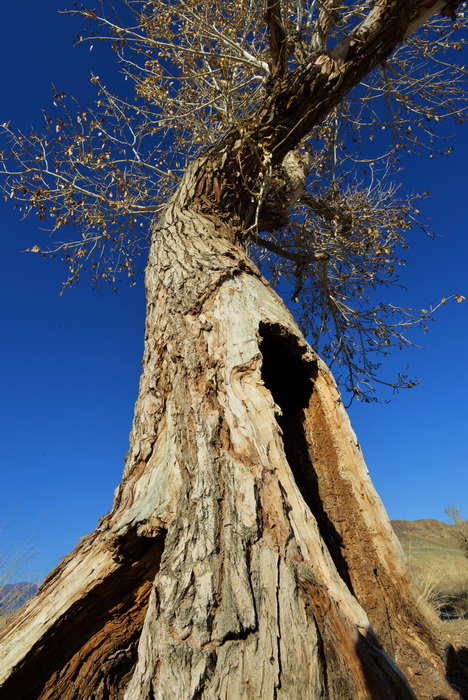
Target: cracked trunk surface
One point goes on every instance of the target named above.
(247, 554)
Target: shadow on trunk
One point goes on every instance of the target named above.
(456, 669)
(290, 379)
(92, 648)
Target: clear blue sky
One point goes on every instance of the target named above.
(70, 364)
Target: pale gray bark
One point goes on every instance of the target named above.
(247, 554)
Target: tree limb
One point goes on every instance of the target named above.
(298, 258)
(278, 39)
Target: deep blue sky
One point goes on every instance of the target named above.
(70, 364)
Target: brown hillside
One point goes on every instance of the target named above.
(429, 543)
(439, 570)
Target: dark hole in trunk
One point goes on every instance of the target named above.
(290, 380)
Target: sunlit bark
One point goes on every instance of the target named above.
(247, 554)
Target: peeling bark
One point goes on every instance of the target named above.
(247, 554)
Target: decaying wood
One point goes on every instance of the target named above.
(247, 554)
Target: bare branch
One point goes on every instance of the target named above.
(288, 105)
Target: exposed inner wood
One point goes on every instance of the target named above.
(246, 548)
(94, 644)
(290, 381)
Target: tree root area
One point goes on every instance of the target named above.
(94, 645)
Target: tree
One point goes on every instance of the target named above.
(246, 553)
(459, 527)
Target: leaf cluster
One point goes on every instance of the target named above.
(198, 70)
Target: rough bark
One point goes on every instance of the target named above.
(247, 554)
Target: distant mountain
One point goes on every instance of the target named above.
(14, 595)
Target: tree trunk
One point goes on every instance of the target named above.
(247, 554)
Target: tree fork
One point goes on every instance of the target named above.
(238, 164)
